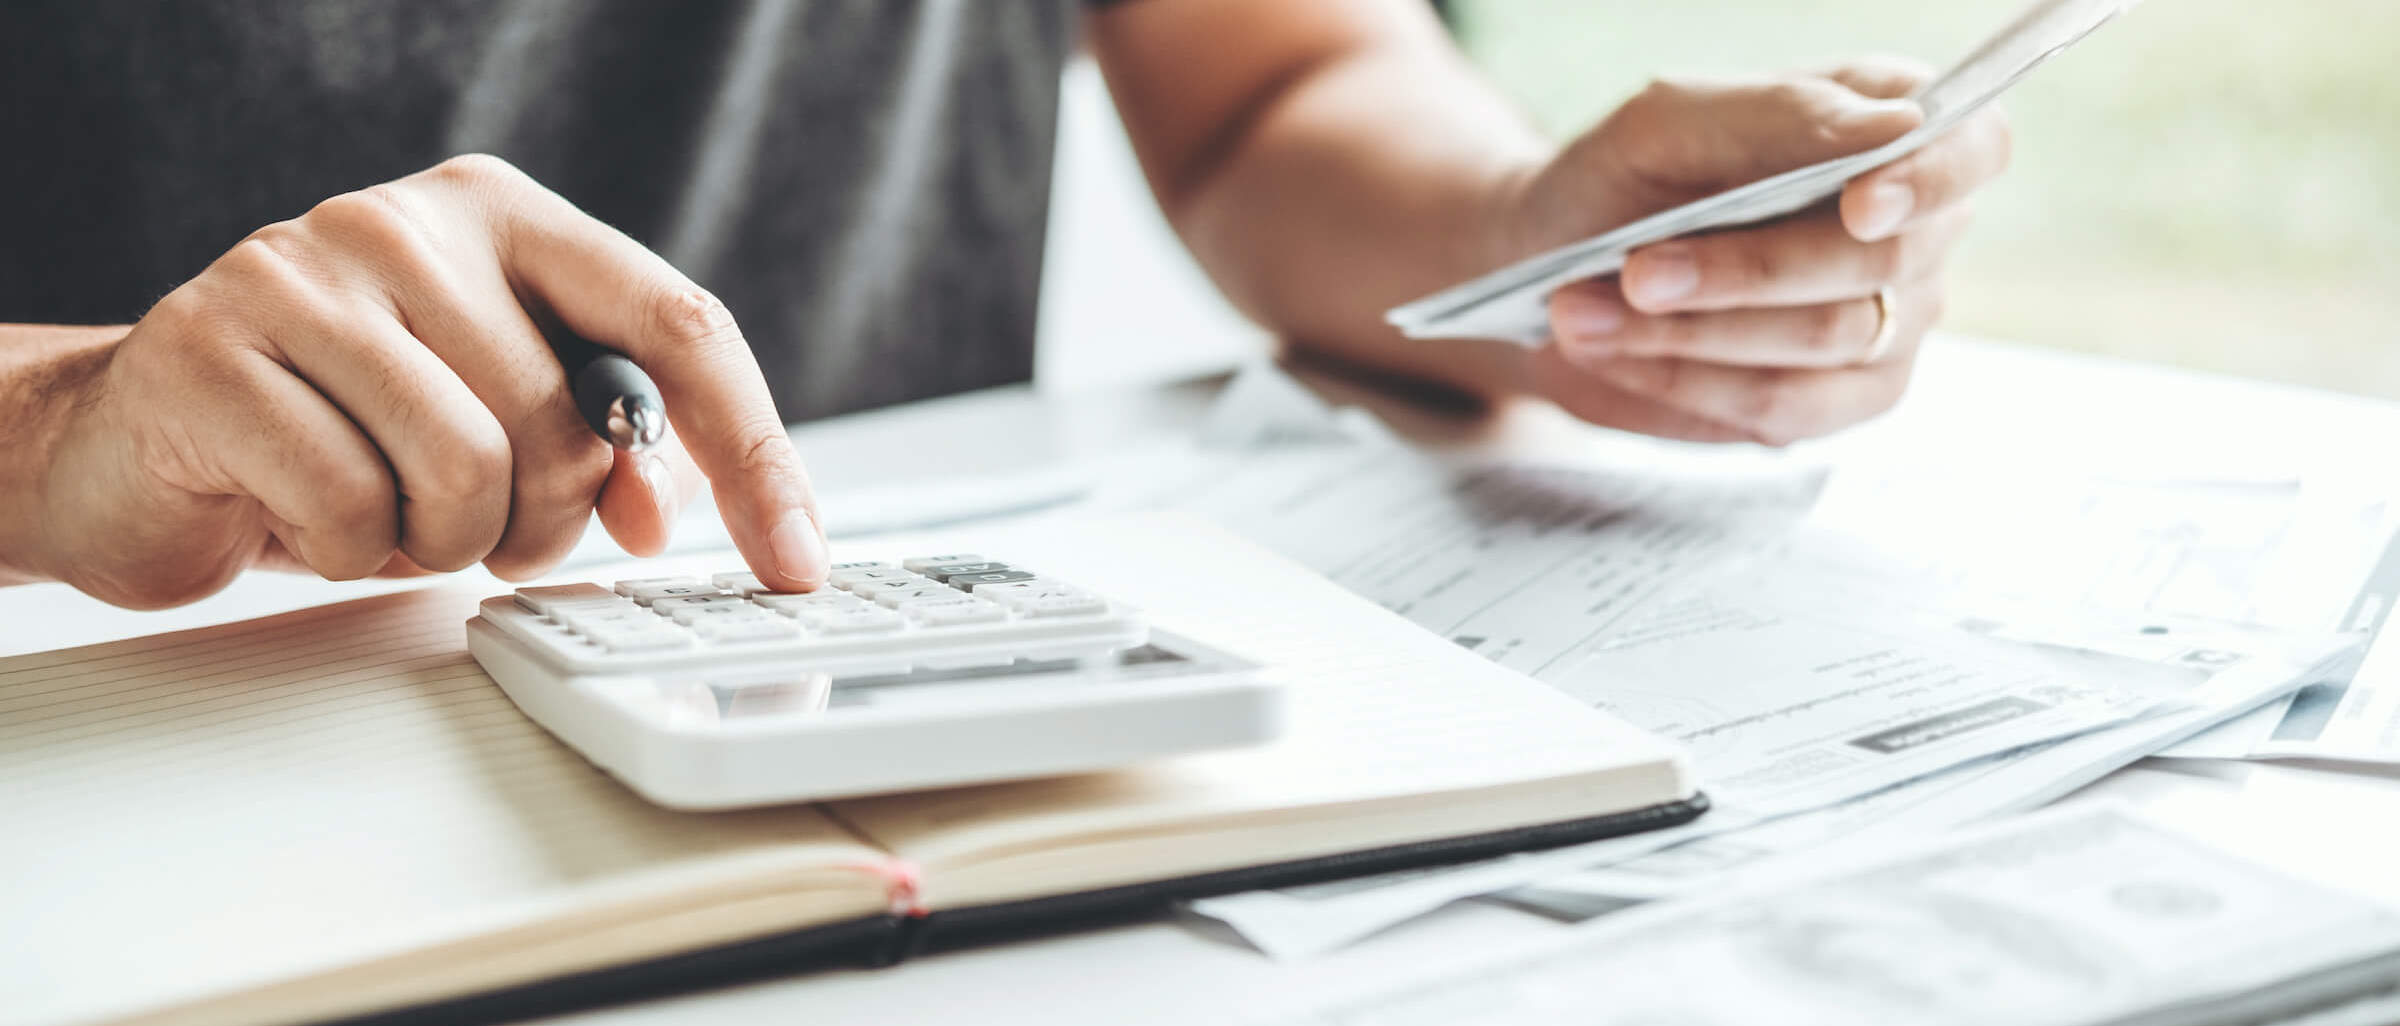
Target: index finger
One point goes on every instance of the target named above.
(617, 292)
(1881, 202)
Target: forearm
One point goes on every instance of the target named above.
(43, 369)
(1370, 177)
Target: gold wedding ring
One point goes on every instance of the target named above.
(1887, 325)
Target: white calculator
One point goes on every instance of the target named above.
(710, 693)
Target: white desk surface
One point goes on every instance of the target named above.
(1980, 403)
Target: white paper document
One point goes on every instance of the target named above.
(1789, 702)
(1885, 649)
(2078, 917)
(1665, 595)
(1600, 584)
(2352, 716)
(2287, 555)
(2251, 668)
(1529, 566)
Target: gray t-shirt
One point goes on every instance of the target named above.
(864, 183)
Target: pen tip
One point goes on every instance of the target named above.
(634, 425)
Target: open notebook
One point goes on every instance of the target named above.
(332, 812)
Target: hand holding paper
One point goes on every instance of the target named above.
(1775, 332)
(1731, 321)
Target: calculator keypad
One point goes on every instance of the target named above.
(931, 604)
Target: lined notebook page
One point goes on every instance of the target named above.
(1381, 711)
(208, 810)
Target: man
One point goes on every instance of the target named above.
(266, 317)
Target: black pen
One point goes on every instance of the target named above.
(619, 401)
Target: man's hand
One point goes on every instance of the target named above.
(1761, 333)
(363, 390)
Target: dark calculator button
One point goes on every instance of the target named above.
(969, 582)
(949, 570)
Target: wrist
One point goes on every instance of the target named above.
(1512, 214)
(47, 374)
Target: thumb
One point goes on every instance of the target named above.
(644, 493)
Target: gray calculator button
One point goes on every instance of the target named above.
(946, 571)
(861, 565)
(972, 581)
(924, 563)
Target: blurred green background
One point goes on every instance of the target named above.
(2212, 183)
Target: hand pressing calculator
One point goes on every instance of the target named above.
(706, 693)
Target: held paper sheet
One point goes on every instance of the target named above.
(1509, 303)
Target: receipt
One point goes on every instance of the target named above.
(1508, 303)
(2085, 916)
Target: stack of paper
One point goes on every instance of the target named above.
(2090, 917)
(1832, 673)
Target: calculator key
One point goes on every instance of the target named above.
(791, 605)
(548, 601)
(972, 581)
(687, 615)
(907, 582)
(862, 575)
(939, 596)
(730, 629)
(891, 598)
(1061, 605)
(744, 584)
(1013, 589)
(1016, 600)
(672, 603)
(952, 614)
(946, 571)
(651, 589)
(863, 619)
(863, 565)
(924, 563)
(645, 638)
(598, 617)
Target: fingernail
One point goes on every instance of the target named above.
(1888, 204)
(1662, 274)
(798, 548)
(662, 489)
(1586, 316)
